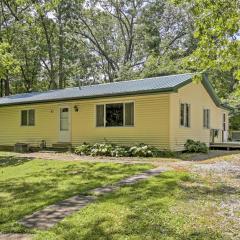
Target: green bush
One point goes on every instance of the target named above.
(108, 149)
(195, 146)
(84, 149)
(143, 150)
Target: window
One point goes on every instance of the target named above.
(115, 115)
(185, 115)
(64, 120)
(28, 117)
(100, 115)
(224, 122)
(129, 114)
(206, 118)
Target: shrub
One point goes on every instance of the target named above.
(195, 146)
(84, 149)
(120, 151)
(102, 149)
(108, 149)
(143, 150)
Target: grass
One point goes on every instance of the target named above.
(27, 185)
(171, 206)
(175, 205)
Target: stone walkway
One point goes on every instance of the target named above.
(53, 214)
(15, 236)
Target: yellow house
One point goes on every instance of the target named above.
(161, 111)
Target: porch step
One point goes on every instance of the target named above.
(62, 145)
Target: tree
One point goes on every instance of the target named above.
(8, 67)
(217, 26)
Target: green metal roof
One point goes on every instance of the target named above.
(148, 85)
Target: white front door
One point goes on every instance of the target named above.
(64, 125)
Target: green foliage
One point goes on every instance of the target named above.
(113, 150)
(195, 146)
(30, 184)
(83, 149)
(216, 25)
(171, 206)
(234, 121)
(8, 63)
(58, 42)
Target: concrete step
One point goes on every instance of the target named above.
(62, 145)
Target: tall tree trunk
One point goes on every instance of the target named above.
(52, 75)
(1, 88)
(7, 86)
(61, 74)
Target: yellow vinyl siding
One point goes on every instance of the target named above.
(199, 99)
(45, 127)
(157, 120)
(151, 122)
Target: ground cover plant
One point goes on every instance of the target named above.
(28, 184)
(114, 150)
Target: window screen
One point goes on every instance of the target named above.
(115, 115)
(206, 118)
(100, 115)
(185, 115)
(129, 114)
(31, 117)
(24, 118)
(28, 117)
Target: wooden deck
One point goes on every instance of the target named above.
(225, 145)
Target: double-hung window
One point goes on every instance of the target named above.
(28, 117)
(206, 118)
(185, 115)
(115, 115)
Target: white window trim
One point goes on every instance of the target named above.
(185, 114)
(104, 109)
(209, 118)
(21, 110)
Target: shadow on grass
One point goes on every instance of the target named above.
(140, 211)
(47, 184)
(11, 161)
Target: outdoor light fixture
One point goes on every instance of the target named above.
(76, 108)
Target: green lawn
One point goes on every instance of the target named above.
(175, 205)
(165, 207)
(27, 185)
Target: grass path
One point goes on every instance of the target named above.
(27, 185)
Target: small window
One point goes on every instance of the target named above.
(115, 115)
(206, 118)
(64, 119)
(28, 117)
(185, 115)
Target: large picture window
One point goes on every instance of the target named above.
(115, 115)
(185, 115)
(28, 117)
(206, 118)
